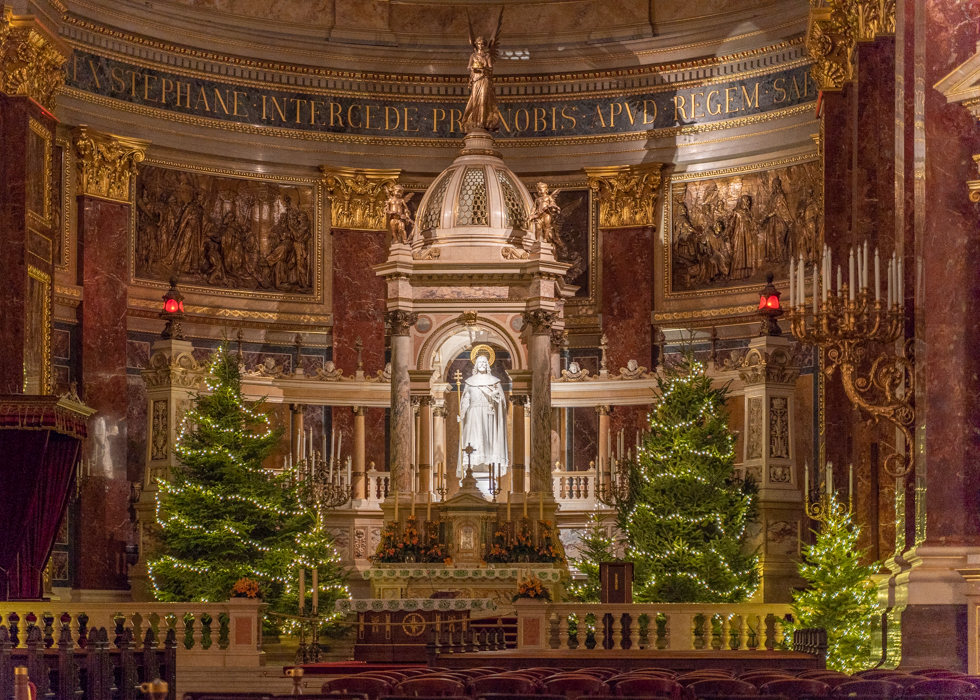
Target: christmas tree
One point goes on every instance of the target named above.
(842, 597)
(595, 546)
(225, 521)
(686, 513)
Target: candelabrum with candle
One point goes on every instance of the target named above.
(493, 487)
(843, 321)
(616, 490)
(328, 486)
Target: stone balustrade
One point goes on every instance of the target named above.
(214, 635)
(575, 490)
(649, 627)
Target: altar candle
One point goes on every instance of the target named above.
(850, 276)
(316, 589)
(340, 440)
(333, 439)
(830, 478)
(877, 277)
(541, 505)
(814, 289)
(800, 275)
(428, 508)
(508, 506)
(302, 589)
(864, 267)
(840, 280)
(900, 284)
(850, 482)
(323, 453)
(792, 283)
(349, 467)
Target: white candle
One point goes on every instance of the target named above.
(792, 283)
(823, 279)
(829, 479)
(814, 289)
(840, 280)
(333, 440)
(806, 481)
(349, 467)
(901, 284)
(508, 506)
(340, 440)
(413, 503)
(850, 482)
(850, 276)
(864, 281)
(800, 274)
(877, 277)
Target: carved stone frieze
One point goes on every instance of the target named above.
(779, 427)
(509, 253)
(774, 367)
(540, 320)
(106, 163)
(627, 194)
(357, 197)
(633, 370)
(329, 372)
(180, 370)
(575, 373)
(426, 254)
(30, 59)
(754, 445)
(401, 321)
(160, 438)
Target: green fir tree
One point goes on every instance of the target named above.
(842, 598)
(224, 517)
(686, 515)
(595, 547)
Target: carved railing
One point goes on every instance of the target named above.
(377, 486)
(210, 635)
(649, 627)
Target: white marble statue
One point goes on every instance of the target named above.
(483, 418)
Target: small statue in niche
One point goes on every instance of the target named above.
(399, 217)
(545, 211)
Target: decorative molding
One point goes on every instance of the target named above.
(401, 321)
(180, 370)
(31, 59)
(357, 197)
(106, 163)
(627, 194)
(223, 312)
(540, 320)
(834, 29)
(776, 367)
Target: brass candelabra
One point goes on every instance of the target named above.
(325, 482)
(616, 490)
(845, 323)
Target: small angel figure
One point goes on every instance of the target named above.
(544, 213)
(481, 109)
(399, 217)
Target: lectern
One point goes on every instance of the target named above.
(616, 581)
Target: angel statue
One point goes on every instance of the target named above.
(544, 213)
(399, 217)
(481, 110)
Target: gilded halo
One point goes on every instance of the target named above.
(482, 349)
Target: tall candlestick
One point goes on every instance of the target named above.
(508, 506)
(850, 276)
(333, 438)
(316, 590)
(428, 507)
(413, 503)
(340, 440)
(877, 277)
(526, 495)
(815, 289)
(302, 589)
(901, 283)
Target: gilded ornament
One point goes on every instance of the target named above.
(835, 27)
(575, 373)
(400, 223)
(329, 372)
(545, 211)
(509, 253)
(359, 198)
(633, 370)
(481, 110)
(106, 163)
(627, 194)
(31, 60)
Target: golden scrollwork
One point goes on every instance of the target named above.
(357, 197)
(31, 60)
(627, 194)
(106, 163)
(833, 30)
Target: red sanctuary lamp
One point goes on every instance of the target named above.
(769, 308)
(173, 312)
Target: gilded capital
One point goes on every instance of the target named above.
(357, 196)
(401, 321)
(627, 194)
(106, 163)
(31, 59)
(833, 30)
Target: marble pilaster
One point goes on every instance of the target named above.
(401, 322)
(358, 467)
(539, 351)
(424, 445)
(518, 458)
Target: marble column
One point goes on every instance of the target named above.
(358, 468)
(518, 459)
(603, 472)
(424, 441)
(296, 434)
(105, 528)
(539, 351)
(439, 442)
(30, 63)
(400, 448)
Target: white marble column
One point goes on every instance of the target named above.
(401, 323)
(539, 350)
(358, 470)
(603, 472)
(439, 440)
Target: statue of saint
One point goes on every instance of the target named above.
(482, 415)
(481, 110)
(399, 216)
(545, 211)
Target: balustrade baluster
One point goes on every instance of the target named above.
(6, 663)
(725, 632)
(635, 631)
(151, 664)
(617, 630)
(743, 632)
(564, 640)
(778, 633)
(36, 668)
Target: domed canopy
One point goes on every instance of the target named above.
(476, 200)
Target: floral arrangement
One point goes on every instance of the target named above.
(500, 551)
(532, 588)
(409, 546)
(524, 548)
(548, 551)
(245, 588)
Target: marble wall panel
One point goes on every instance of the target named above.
(575, 231)
(627, 295)
(585, 437)
(136, 427)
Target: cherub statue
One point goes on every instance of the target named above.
(544, 213)
(481, 110)
(399, 217)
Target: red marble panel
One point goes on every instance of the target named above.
(104, 522)
(358, 312)
(951, 285)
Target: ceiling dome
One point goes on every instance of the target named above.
(476, 201)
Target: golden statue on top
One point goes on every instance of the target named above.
(481, 110)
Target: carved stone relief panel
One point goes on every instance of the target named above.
(360, 543)
(728, 232)
(159, 443)
(226, 232)
(754, 445)
(779, 427)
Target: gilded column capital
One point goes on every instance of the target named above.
(834, 29)
(357, 196)
(401, 321)
(603, 410)
(540, 320)
(627, 194)
(106, 163)
(440, 411)
(31, 59)
(358, 411)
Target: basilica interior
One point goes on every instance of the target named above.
(455, 246)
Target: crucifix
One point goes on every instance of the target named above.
(469, 450)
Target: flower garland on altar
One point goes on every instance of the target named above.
(408, 545)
